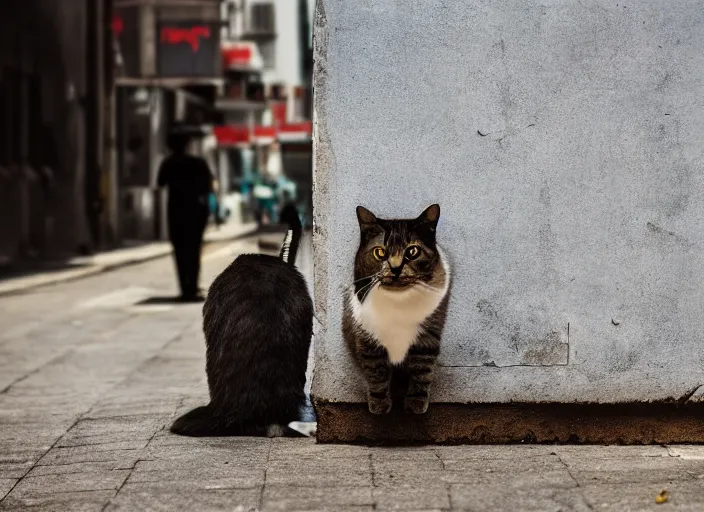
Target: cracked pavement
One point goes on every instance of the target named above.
(90, 380)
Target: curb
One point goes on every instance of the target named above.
(7, 289)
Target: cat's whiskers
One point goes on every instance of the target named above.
(371, 276)
(371, 283)
(369, 288)
(376, 274)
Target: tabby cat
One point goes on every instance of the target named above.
(258, 323)
(395, 311)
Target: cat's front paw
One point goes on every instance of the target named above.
(379, 405)
(416, 405)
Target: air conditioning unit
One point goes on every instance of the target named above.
(262, 20)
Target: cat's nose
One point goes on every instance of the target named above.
(396, 261)
(396, 271)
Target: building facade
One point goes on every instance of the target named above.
(90, 88)
(266, 128)
(168, 73)
(53, 89)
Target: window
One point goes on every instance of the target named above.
(262, 19)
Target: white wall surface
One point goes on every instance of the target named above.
(564, 143)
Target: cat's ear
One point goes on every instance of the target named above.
(430, 215)
(365, 217)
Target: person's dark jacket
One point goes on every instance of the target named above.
(189, 183)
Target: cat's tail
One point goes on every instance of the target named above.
(200, 422)
(289, 215)
(203, 422)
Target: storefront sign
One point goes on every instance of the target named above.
(184, 48)
(188, 49)
(191, 36)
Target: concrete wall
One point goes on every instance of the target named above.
(564, 143)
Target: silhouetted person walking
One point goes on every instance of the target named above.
(189, 182)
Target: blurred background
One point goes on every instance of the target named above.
(90, 89)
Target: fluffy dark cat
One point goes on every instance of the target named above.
(258, 323)
(395, 312)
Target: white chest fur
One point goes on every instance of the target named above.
(394, 318)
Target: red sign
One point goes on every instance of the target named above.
(265, 131)
(177, 35)
(241, 134)
(302, 127)
(232, 134)
(237, 56)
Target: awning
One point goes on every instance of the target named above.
(295, 132)
(241, 56)
(232, 135)
(243, 135)
(263, 135)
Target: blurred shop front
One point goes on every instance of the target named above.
(169, 74)
(264, 140)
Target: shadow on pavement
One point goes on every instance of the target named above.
(152, 301)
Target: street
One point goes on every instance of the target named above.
(91, 377)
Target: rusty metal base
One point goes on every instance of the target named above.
(633, 423)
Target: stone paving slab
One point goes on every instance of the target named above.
(129, 432)
(80, 454)
(686, 452)
(15, 462)
(288, 497)
(90, 501)
(78, 468)
(427, 496)
(138, 497)
(684, 496)
(201, 476)
(5, 485)
(105, 480)
(627, 470)
(480, 498)
(320, 473)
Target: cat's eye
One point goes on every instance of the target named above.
(380, 253)
(412, 252)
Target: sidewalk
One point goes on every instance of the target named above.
(82, 266)
(91, 379)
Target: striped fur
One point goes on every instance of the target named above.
(393, 319)
(286, 246)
